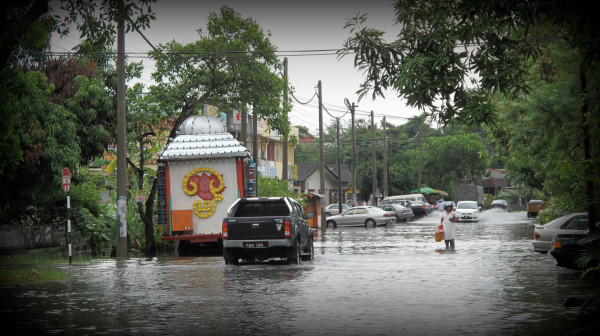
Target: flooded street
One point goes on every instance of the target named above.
(384, 281)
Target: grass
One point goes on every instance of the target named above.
(32, 266)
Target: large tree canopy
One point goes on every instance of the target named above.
(232, 65)
(451, 56)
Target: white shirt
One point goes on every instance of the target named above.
(449, 226)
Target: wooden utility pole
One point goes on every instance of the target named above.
(420, 158)
(339, 166)
(374, 158)
(284, 173)
(385, 162)
(121, 145)
(322, 162)
(255, 146)
(354, 196)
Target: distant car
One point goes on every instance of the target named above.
(420, 208)
(575, 223)
(467, 211)
(333, 209)
(500, 204)
(367, 216)
(402, 213)
(535, 206)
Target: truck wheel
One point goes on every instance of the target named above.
(294, 259)
(370, 223)
(311, 250)
(331, 225)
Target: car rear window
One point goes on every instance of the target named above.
(262, 208)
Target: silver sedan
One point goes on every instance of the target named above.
(402, 213)
(575, 223)
(367, 216)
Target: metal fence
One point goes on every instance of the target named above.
(29, 237)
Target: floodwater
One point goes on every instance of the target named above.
(383, 281)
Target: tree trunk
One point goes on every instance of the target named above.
(589, 168)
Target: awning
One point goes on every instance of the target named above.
(424, 190)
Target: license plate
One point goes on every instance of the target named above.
(256, 245)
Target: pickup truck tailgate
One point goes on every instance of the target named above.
(249, 228)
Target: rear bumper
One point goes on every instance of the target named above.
(271, 243)
(277, 248)
(542, 246)
(565, 258)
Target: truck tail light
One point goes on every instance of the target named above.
(287, 228)
(556, 245)
(536, 235)
(225, 232)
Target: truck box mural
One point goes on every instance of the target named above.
(201, 173)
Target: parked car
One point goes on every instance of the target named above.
(420, 208)
(333, 209)
(367, 216)
(402, 213)
(566, 249)
(467, 211)
(500, 204)
(575, 223)
(535, 206)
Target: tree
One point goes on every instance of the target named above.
(233, 64)
(452, 57)
(47, 140)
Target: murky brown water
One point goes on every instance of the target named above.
(384, 281)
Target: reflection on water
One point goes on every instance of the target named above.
(380, 281)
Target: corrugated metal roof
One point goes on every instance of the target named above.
(202, 137)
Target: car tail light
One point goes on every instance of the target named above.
(536, 235)
(287, 227)
(556, 245)
(225, 232)
(423, 207)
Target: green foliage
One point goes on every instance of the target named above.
(48, 143)
(274, 187)
(230, 66)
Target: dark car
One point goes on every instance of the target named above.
(500, 204)
(420, 208)
(566, 249)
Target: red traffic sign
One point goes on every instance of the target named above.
(66, 179)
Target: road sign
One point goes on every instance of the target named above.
(66, 179)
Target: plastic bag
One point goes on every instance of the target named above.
(439, 233)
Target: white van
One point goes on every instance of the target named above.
(409, 197)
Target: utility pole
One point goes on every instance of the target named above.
(374, 158)
(385, 158)
(284, 175)
(420, 158)
(255, 137)
(121, 145)
(339, 166)
(322, 162)
(353, 167)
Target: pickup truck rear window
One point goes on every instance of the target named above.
(254, 209)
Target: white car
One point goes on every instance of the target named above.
(467, 211)
(332, 209)
(575, 223)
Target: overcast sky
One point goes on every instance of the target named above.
(294, 26)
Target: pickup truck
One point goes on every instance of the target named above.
(534, 206)
(265, 228)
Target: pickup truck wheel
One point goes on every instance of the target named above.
(370, 223)
(295, 258)
(311, 252)
(331, 225)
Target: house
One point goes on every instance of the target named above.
(309, 181)
(495, 181)
(270, 145)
